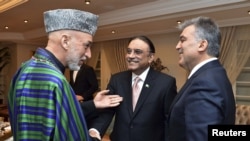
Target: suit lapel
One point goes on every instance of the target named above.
(145, 90)
(128, 91)
(189, 81)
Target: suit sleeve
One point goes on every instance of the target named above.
(88, 108)
(203, 108)
(171, 93)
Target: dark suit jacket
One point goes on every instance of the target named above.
(86, 83)
(205, 99)
(148, 121)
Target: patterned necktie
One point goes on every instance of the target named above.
(136, 91)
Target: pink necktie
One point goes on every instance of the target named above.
(136, 91)
(74, 76)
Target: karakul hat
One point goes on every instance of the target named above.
(70, 19)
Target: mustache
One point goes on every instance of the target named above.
(180, 51)
(135, 60)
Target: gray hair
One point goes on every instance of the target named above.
(205, 29)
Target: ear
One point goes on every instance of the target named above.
(65, 41)
(203, 45)
(151, 58)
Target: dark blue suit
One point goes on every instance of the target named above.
(148, 121)
(205, 99)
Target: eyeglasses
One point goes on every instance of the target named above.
(136, 51)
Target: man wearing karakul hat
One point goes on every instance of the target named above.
(42, 105)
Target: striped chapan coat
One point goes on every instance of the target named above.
(42, 105)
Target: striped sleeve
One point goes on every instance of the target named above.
(44, 107)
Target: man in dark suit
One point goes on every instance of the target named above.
(147, 121)
(207, 97)
(84, 82)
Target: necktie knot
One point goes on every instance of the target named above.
(136, 80)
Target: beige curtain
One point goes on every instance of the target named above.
(226, 49)
(95, 53)
(115, 51)
(243, 54)
(120, 52)
(234, 52)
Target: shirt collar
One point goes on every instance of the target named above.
(142, 76)
(200, 65)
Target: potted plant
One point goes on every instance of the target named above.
(156, 64)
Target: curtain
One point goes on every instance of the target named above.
(234, 52)
(243, 54)
(120, 52)
(95, 54)
(115, 52)
(228, 50)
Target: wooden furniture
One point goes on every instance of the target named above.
(242, 114)
(4, 112)
(5, 131)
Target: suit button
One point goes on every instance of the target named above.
(131, 126)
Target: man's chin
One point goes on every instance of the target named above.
(74, 68)
(132, 68)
